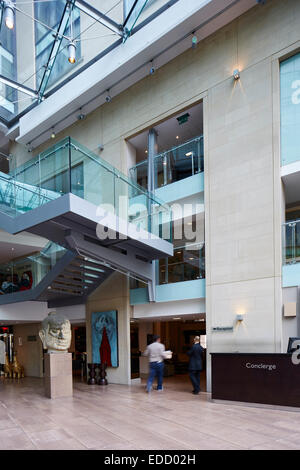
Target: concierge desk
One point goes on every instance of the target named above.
(256, 378)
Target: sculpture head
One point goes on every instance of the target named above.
(56, 333)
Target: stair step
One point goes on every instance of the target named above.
(61, 285)
(68, 282)
(86, 259)
(65, 292)
(68, 277)
(83, 272)
(88, 264)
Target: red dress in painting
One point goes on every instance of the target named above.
(105, 351)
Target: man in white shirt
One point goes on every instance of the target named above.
(156, 354)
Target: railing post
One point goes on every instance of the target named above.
(165, 168)
(70, 165)
(294, 242)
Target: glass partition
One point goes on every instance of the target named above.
(26, 273)
(70, 167)
(290, 109)
(172, 165)
(17, 198)
(291, 242)
(187, 264)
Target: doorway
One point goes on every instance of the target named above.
(177, 335)
(78, 350)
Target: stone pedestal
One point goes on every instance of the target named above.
(58, 375)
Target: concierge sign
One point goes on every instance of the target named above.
(256, 378)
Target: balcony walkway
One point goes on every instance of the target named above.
(119, 417)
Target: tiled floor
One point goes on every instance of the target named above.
(121, 417)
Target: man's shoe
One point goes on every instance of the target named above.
(195, 393)
(159, 389)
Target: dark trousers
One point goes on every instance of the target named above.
(195, 379)
(156, 369)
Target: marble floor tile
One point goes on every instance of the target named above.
(119, 417)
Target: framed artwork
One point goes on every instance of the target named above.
(105, 338)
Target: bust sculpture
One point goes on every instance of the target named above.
(56, 333)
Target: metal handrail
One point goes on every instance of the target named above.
(118, 175)
(196, 139)
(19, 185)
(37, 159)
(15, 183)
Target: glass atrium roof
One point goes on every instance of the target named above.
(45, 42)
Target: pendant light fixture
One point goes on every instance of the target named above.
(71, 45)
(9, 15)
(72, 52)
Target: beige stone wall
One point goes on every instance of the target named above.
(113, 295)
(242, 162)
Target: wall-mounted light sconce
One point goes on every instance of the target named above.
(152, 68)
(108, 98)
(194, 41)
(236, 74)
(240, 317)
(53, 135)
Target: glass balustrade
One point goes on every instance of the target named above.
(187, 264)
(69, 167)
(26, 273)
(17, 197)
(291, 242)
(172, 165)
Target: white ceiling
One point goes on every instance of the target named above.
(10, 251)
(20, 245)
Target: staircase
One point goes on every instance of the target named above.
(72, 219)
(78, 279)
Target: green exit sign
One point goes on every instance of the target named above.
(182, 119)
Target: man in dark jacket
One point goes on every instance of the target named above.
(195, 364)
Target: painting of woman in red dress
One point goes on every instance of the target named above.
(105, 338)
